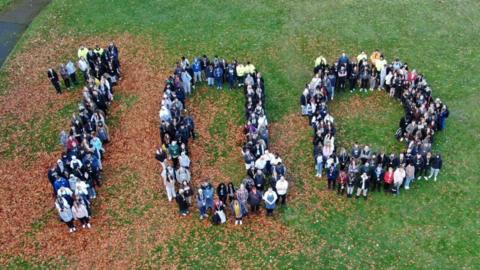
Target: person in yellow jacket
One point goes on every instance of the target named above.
(380, 64)
(320, 61)
(250, 68)
(98, 50)
(240, 74)
(375, 56)
(82, 52)
(237, 212)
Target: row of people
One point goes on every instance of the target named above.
(423, 115)
(78, 172)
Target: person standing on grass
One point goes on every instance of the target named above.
(270, 198)
(197, 70)
(209, 193)
(378, 174)
(282, 188)
(237, 212)
(218, 75)
(363, 185)
(342, 182)
(418, 162)
(388, 180)
(427, 167)
(80, 212)
(186, 82)
(174, 152)
(202, 204)
(398, 178)
(71, 70)
(409, 175)
(231, 75)
(53, 77)
(254, 199)
(332, 176)
(65, 76)
(168, 176)
(436, 167)
(182, 203)
(242, 197)
(161, 156)
(222, 192)
(65, 213)
(230, 192)
(210, 76)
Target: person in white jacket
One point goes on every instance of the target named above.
(270, 198)
(398, 177)
(282, 188)
(80, 212)
(168, 176)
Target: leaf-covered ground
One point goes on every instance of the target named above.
(431, 226)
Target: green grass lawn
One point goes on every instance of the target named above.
(4, 4)
(432, 226)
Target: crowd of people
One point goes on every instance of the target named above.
(265, 173)
(92, 63)
(360, 170)
(77, 173)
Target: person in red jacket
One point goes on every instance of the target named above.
(388, 180)
(342, 182)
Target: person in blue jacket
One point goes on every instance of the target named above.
(208, 192)
(332, 176)
(60, 182)
(197, 70)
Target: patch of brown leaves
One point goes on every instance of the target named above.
(27, 200)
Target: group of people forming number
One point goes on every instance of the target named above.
(77, 173)
(265, 173)
(361, 168)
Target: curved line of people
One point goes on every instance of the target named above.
(263, 168)
(362, 168)
(77, 173)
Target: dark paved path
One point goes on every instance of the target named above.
(14, 20)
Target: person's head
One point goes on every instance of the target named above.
(390, 169)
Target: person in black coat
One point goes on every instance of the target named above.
(222, 192)
(437, 163)
(182, 203)
(332, 176)
(53, 77)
